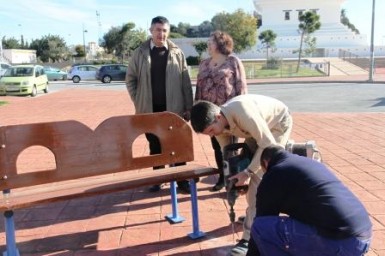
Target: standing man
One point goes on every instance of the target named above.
(157, 80)
(262, 121)
(322, 216)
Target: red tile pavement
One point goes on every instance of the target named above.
(132, 222)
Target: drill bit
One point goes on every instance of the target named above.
(232, 219)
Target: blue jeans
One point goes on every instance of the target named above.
(281, 235)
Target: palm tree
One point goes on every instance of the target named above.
(308, 24)
(345, 20)
(267, 38)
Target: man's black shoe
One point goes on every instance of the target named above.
(241, 219)
(154, 188)
(218, 186)
(184, 189)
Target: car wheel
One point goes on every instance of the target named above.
(46, 89)
(106, 79)
(76, 79)
(34, 91)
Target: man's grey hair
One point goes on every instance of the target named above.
(159, 19)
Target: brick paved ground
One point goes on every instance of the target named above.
(132, 222)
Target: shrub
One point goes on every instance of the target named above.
(272, 63)
(192, 60)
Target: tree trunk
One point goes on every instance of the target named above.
(300, 51)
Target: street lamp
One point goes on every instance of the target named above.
(84, 44)
(1, 50)
(21, 35)
(371, 68)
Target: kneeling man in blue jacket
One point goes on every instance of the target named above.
(304, 209)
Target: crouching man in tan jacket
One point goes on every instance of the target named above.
(262, 121)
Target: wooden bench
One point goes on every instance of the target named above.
(95, 162)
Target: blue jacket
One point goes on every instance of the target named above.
(309, 192)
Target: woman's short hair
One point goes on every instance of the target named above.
(223, 41)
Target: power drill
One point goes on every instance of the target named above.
(236, 158)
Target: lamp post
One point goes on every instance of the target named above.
(21, 36)
(1, 50)
(84, 44)
(371, 68)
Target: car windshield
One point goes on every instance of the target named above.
(19, 71)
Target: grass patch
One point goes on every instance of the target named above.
(3, 102)
(256, 69)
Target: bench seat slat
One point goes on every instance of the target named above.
(31, 196)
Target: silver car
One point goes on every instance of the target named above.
(82, 72)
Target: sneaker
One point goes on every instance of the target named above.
(154, 188)
(240, 249)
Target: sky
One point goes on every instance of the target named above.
(69, 18)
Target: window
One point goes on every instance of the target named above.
(287, 14)
(314, 10)
(300, 12)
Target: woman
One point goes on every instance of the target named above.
(220, 78)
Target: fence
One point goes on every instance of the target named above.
(363, 62)
(285, 68)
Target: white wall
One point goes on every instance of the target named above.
(19, 56)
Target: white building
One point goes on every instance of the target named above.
(18, 56)
(281, 16)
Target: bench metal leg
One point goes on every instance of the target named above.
(10, 235)
(174, 217)
(194, 207)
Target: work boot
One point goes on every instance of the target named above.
(240, 249)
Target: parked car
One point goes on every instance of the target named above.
(109, 72)
(3, 68)
(24, 80)
(55, 74)
(82, 72)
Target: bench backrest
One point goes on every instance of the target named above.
(81, 152)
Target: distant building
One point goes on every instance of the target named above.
(281, 16)
(93, 50)
(19, 56)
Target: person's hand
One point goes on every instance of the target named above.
(242, 177)
(187, 115)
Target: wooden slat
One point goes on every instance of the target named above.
(27, 197)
